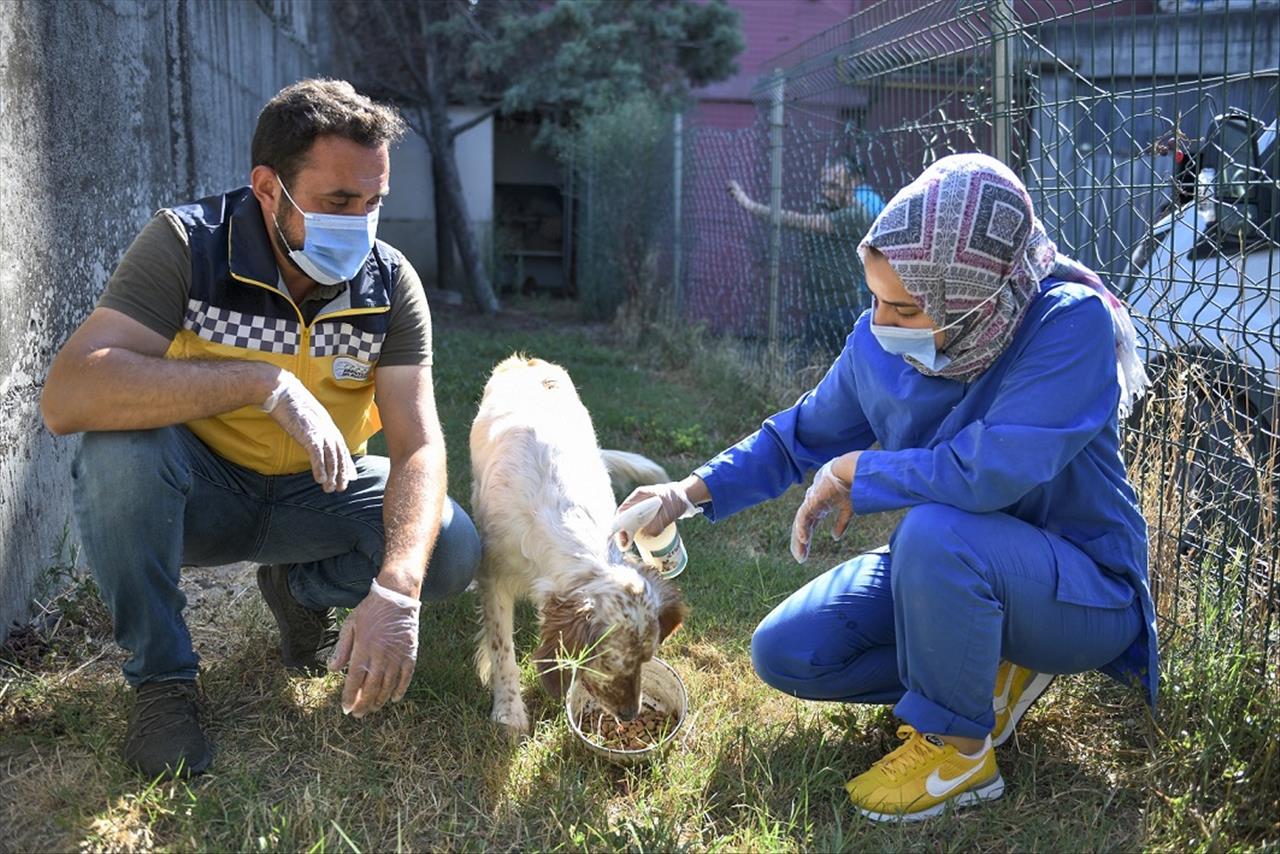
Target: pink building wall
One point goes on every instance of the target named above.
(770, 27)
(726, 266)
(726, 250)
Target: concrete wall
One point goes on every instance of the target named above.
(408, 215)
(109, 109)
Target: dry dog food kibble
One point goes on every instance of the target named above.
(647, 730)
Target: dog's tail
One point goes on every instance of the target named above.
(628, 470)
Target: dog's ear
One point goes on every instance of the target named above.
(671, 609)
(568, 630)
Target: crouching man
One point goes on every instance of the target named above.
(244, 351)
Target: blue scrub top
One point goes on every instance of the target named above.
(1035, 436)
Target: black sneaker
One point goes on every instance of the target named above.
(164, 735)
(306, 636)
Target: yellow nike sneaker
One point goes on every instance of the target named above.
(1017, 689)
(921, 777)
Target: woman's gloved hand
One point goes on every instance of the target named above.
(675, 505)
(378, 645)
(828, 493)
(300, 415)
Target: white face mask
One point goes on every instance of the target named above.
(920, 344)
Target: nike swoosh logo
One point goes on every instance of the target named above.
(940, 788)
(1002, 699)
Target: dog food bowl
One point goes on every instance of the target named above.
(662, 692)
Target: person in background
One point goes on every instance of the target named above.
(244, 351)
(833, 279)
(992, 373)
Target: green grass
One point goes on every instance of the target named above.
(755, 770)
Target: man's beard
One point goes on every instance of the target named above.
(281, 237)
(284, 243)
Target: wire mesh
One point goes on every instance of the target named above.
(622, 164)
(1117, 114)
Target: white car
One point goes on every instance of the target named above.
(1205, 296)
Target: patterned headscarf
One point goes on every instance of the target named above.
(964, 239)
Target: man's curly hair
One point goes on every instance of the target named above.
(304, 111)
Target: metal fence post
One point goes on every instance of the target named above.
(775, 202)
(1096, 106)
(1003, 24)
(587, 242)
(677, 195)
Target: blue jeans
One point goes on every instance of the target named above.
(924, 622)
(151, 501)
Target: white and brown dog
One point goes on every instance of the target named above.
(542, 501)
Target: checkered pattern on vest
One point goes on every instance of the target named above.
(342, 339)
(247, 331)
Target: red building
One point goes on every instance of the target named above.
(770, 28)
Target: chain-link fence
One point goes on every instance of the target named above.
(623, 172)
(1146, 133)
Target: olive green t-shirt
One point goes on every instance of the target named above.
(832, 265)
(153, 279)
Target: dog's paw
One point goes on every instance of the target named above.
(514, 718)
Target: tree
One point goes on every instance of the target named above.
(417, 72)
(573, 58)
(560, 61)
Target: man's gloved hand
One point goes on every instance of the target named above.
(735, 190)
(828, 492)
(378, 645)
(675, 505)
(300, 415)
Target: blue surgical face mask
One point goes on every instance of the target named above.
(919, 343)
(335, 245)
(916, 343)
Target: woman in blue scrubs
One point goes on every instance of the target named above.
(989, 376)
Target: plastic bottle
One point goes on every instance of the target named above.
(664, 552)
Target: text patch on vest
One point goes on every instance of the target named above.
(346, 368)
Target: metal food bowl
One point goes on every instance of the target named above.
(661, 688)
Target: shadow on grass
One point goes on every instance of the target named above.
(561, 796)
(433, 772)
(289, 768)
(785, 785)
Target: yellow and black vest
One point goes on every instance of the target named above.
(236, 311)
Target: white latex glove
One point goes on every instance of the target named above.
(827, 493)
(675, 505)
(300, 415)
(378, 645)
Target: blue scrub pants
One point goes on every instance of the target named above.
(151, 501)
(925, 622)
